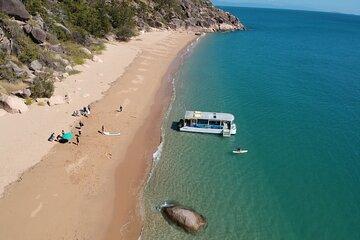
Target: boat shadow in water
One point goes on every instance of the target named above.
(175, 126)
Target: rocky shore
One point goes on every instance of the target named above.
(41, 40)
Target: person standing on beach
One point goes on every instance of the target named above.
(120, 109)
(102, 129)
(77, 140)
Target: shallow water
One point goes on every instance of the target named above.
(293, 83)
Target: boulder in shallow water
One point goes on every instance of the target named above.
(183, 217)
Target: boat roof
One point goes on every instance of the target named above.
(209, 115)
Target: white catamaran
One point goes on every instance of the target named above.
(208, 122)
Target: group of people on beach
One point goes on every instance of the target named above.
(52, 137)
(85, 111)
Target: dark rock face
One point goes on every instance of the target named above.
(185, 218)
(14, 8)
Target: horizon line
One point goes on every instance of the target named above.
(286, 8)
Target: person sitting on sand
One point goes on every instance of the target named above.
(120, 109)
(52, 137)
(81, 124)
(62, 132)
(75, 113)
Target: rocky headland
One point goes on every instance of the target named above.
(42, 40)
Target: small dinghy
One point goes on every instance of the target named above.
(240, 151)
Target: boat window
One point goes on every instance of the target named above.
(202, 121)
(214, 122)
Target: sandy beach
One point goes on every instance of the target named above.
(89, 191)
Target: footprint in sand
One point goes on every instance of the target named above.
(126, 102)
(137, 81)
(36, 210)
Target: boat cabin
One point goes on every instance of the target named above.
(208, 122)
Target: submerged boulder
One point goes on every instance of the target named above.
(183, 217)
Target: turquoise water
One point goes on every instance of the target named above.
(293, 83)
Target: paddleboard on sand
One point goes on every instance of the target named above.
(111, 133)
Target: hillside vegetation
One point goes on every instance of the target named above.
(41, 40)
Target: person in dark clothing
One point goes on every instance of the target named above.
(81, 124)
(52, 137)
(77, 140)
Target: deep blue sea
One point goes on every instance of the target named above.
(293, 83)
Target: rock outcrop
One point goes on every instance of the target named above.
(14, 8)
(55, 37)
(36, 65)
(188, 14)
(183, 217)
(24, 93)
(38, 35)
(12, 104)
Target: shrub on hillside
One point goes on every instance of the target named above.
(73, 50)
(89, 15)
(43, 86)
(34, 6)
(25, 49)
(124, 33)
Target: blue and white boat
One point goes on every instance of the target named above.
(208, 122)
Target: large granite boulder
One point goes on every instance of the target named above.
(12, 104)
(38, 35)
(183, 217)
(36, 65)
(14, 8)
(19, 72)
(24, 93)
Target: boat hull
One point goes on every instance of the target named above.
(204, 130)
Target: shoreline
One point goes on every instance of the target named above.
(165, 94)
(78, 179)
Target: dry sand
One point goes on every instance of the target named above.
(23, 136)
(91, 191)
